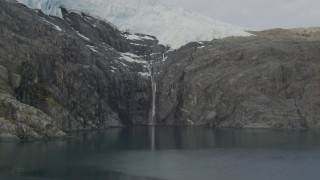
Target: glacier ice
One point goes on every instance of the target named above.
(50, 7)
(172, 26)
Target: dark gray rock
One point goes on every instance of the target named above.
(4, 74)
(14, 80)
(266, 81)
(80, 71)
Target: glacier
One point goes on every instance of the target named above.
(172, 26)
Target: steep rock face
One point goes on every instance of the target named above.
(267, 81)
(80, 71)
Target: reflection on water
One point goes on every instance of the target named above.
(153, 137)
(166, 153)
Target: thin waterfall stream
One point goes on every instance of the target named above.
(154, 90)
(152, 117)
(152, 121)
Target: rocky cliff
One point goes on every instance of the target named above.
(270, 80)
(75, 72)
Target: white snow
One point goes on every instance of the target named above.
(124, 64)
(55, 26)
(137, 44)
(145, 74)
(137, 37)
(147, 37)
(129, 57)
(164, 59)
(172, 26)
(132, 37)
(82, 36)
(94, 49)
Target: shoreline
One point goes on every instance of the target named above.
(7, 138)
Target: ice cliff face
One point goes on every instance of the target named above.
(172, 26)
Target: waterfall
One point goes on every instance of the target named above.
(154, 90)
(152, 120)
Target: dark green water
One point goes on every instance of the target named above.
(176, 153)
